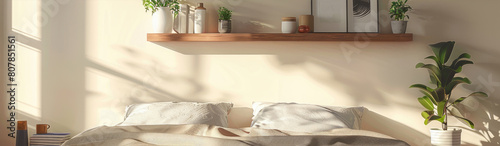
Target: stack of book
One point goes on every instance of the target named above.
(48, 139)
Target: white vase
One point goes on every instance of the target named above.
(199, 19)
(162, 20)
(441, 137)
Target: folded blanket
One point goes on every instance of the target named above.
(200, 134)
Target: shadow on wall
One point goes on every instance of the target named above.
(375, 122)
(484, 112)
(342, 62)
(149, 85)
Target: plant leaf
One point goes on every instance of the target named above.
(431, 118)
(462, 56)
(426, 91)
(475, 94)
(454, 112)
(434, 71)
(435, 60)
(447, 75)
(439, 94)
(471, 124)
(478, 94)
(459, 100)
(441, 108)
(460, 64)
(426, 102)
(443, 50)
(454, 82)
(426, 114)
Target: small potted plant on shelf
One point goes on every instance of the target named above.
(162, 14)
(224, 20)
(398, 13)
(438, 101)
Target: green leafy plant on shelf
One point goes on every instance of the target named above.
(224, 13)
(153, 5)
(437, 101)
(398, 10)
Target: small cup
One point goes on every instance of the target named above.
(42, 128)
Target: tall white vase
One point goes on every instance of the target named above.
(163, 20)
(450, 137)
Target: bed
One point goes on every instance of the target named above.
(188, 123)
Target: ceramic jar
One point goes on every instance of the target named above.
(288, 25)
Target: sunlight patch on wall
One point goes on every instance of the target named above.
(106, 98)
(29, 77)
(27, 18)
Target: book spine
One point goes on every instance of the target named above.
(22, 138)
(22, 133)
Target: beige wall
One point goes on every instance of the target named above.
(84, 61)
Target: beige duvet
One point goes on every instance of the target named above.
(188, 135)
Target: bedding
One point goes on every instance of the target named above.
(202, 134)
(177, 113)
(305, 117)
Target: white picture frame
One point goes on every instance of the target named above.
(329, 15)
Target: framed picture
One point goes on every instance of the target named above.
(362, 16)
(329, 15)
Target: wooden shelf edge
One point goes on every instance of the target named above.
(234, 37)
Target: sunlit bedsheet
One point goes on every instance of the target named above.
(200, 134)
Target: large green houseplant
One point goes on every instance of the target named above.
(162, 14)
(398, 13)
(438, 101)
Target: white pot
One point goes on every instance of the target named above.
(163, 20)
(441, 137)
(398, 27)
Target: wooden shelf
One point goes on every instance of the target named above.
(230, 37)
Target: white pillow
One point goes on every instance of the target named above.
(177, 113)
(305, 117)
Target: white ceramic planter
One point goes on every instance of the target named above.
(398, 27)
(163, 20)
(450, 137)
